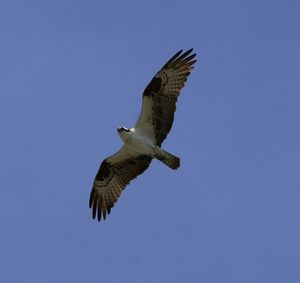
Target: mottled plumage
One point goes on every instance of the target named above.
(161, 93)
(142, 142)
(111, 179)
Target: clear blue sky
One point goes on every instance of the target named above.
(71, 72)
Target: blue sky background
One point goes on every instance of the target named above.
(72, 71)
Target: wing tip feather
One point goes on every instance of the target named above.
(180, 59)
(91, 198)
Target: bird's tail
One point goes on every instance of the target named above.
(167, 158)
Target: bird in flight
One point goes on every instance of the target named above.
(143, 142)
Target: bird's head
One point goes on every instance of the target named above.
(124, 133)
(123, 129)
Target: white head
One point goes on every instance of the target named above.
(123, 129)
(125, 133)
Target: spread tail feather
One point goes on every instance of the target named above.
(169, 159)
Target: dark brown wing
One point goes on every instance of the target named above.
(160, 96)
(112, 178)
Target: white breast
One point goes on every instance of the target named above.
(139, 142)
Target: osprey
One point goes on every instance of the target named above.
(143, 142)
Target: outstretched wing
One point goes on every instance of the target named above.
(160, 96)
(114, 174)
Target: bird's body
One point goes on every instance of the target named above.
(142, 143)
(137, 141)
